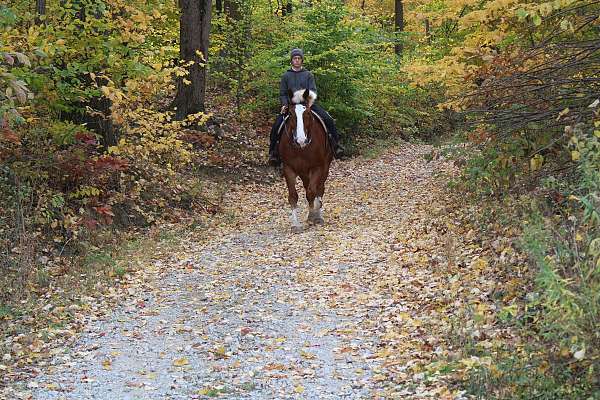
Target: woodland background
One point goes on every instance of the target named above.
(106, 106)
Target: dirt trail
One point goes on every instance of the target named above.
(350, 310)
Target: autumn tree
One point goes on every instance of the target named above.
(194, 32)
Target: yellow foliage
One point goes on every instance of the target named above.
(482, 26)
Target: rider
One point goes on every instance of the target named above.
(298, 78)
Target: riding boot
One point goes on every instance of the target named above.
(334, 139)
(338, 149)
(274, 159)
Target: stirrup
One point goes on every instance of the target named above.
(274, 161)
(338, 150)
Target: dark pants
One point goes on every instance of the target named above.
(329, 123)
(275, 134)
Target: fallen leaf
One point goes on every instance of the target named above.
(180, 362)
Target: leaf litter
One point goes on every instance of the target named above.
(371, 305)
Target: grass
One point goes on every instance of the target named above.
(99, 258)
(530, 376)
(6, 311)
(119, 271)
(168, 237)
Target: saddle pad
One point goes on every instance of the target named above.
(314, 113)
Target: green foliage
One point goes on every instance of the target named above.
(531, 376)
(63, 133)
(231, 49)
(562, 313)
(355, 69)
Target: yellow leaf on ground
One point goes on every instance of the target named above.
(107, 364)
(180, 362)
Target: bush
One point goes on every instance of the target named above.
(562, 313)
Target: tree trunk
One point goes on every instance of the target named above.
(193, 32)
(40, 9)
(398, 25)
(232, 8)
(427, 31)
(286, 8)
(219, 6)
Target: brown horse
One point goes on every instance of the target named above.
(305, 152)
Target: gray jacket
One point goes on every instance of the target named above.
(295, 80)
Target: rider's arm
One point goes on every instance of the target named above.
(283, 91)
(311, 83)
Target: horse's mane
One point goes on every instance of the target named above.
(298, 97)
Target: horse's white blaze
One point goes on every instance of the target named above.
(294, 217)
(300, 134)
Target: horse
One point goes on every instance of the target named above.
(305, 151)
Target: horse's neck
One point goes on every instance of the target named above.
(315, 124)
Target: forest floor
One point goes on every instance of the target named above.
(380, 302)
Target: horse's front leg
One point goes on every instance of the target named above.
(313, 196)
(290, 180)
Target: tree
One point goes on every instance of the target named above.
(40, 9)
(285, 6)
(398, 25)
(232, 8)
(194, 33)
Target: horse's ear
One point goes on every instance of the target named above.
(306, 95)
(290, 95)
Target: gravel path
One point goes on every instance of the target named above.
(258, 312)
(228, 322)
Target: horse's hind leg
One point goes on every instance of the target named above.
(290, 180)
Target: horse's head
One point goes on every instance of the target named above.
(301, 119)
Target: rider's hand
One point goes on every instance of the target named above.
(284, 109)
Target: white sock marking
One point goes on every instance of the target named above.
(294, 217)
(319, 206)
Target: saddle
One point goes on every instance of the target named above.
(313, 113)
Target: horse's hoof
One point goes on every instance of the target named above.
(315, 219)
(297, 229)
